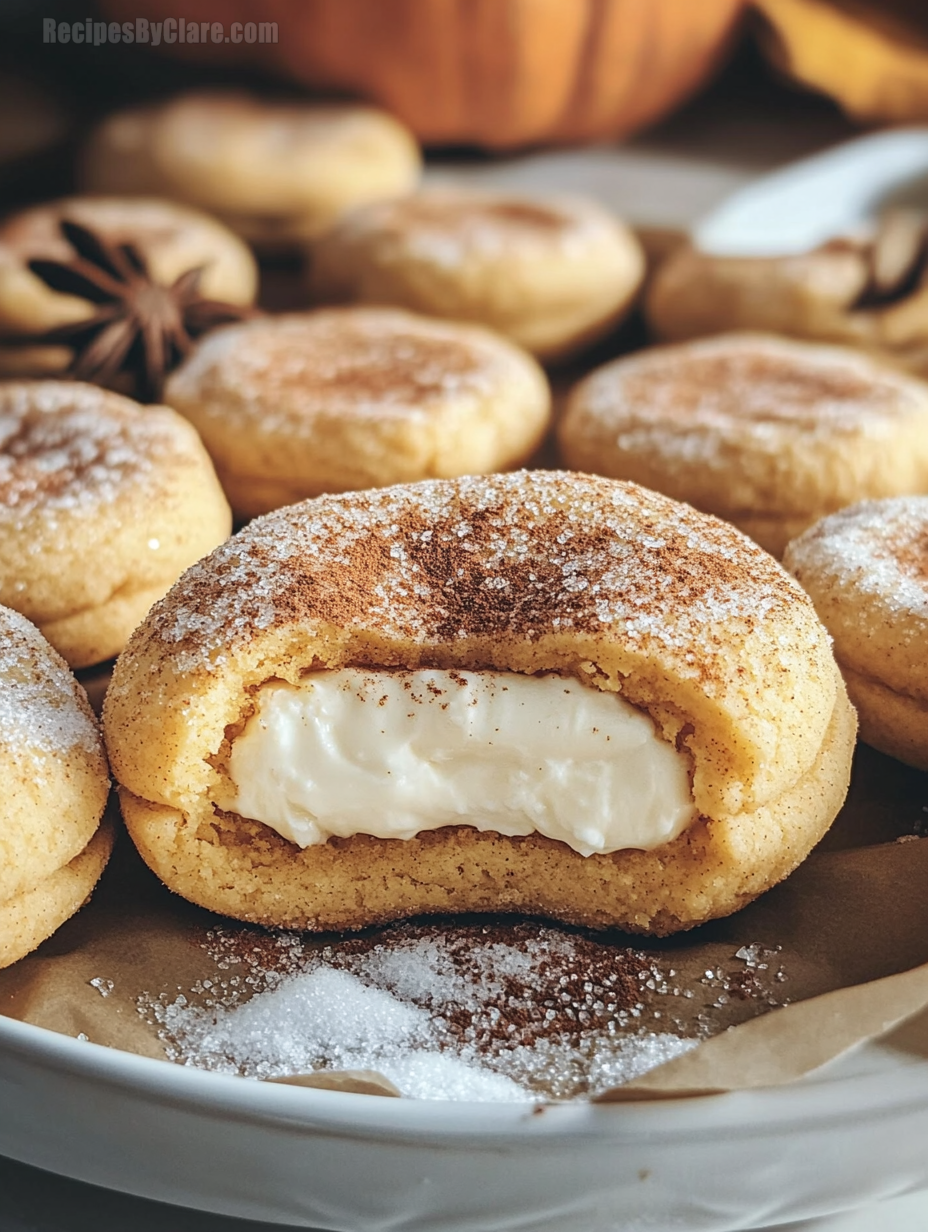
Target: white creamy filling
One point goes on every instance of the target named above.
(391, 754)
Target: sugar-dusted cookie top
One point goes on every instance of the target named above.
(866, 569)
(751, 424)
(528, 572)
(103, 504)
(54, 767)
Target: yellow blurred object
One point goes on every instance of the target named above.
(871, 58)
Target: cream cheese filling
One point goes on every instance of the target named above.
(395, 753)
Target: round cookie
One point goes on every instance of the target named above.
(867, 291)
(274, 172)
(172, 238)
(600, 582)
(102, 506)
(551, 273)
(32, 917)
(52, 849)
(767, 433)
(866, 569)
(292, 406)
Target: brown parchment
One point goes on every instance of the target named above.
(848, 931)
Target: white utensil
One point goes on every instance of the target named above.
(815, 199)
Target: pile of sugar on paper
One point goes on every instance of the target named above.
(463, 1011)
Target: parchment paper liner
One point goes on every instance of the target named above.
(851, 927)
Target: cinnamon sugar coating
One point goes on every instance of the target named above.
(550, 273)
(102, 506)
(295, 405)
(765, 432)
(866, 570)
(531, 572)
(55, 781)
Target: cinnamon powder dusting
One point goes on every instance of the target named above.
(449, 228)
(514, 556)
(722, 386)
(280, 374)
(913, 557)
(489, 1009)
(762, 386)
(349, 358)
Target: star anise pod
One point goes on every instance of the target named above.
(897, 260)
(139, 326)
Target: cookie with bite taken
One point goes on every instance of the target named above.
(534, 692)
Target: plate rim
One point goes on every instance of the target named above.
(822, 1097)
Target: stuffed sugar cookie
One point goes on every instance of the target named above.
(273, 171)
(551, 273)
(103, 504)
(866, 569)
(171, 238)
(868, 291)
(533, 692)
(293, 406)
(52, 844)
(768, 433)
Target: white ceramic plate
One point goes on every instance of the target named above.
(853, 1134)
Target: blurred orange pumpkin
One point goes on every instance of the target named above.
(496, 73)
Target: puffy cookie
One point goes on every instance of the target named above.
(868, 291)
(292, 406)
(28, 919)
(273, 171)
(534, 692)
(550, 273)
(52, 845)
(767, 433)
(866, 569)
(103, 504)
(172, 239)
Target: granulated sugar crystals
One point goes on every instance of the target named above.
(486, 1011)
